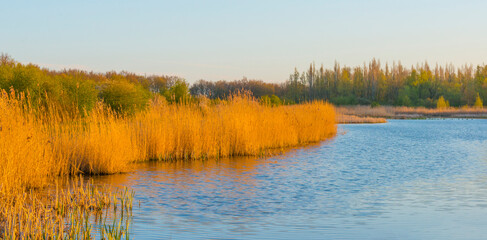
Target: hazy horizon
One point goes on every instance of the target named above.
(227, 40)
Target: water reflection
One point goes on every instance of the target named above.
(403, 179)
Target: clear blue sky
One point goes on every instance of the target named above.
(226, 39)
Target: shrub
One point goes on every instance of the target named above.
(275, 100)
(178, 92)
(272, 101)
(344, 100)
(265, 100)
(124, 97)
(363, 101)
(80, 94)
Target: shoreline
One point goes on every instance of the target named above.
(354, 119)
(367, 114)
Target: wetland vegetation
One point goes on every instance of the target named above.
(58, 124)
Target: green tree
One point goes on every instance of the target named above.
(178, 92)
(442, 103)
(275, 100)
(124, 97)
(478, 102)
(79, 93)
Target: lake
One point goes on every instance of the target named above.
(405, 179)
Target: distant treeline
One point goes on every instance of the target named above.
(369, 84)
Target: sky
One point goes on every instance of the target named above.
(227, 40)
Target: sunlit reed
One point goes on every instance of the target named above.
(42, 143)
(76, 211)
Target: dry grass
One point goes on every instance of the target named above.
(442, 112)
(37, 145)
(31, 154)
(348, 119)
(26, 156)
(81, 211)
(412, 112)
(237, 127)
(367, 111)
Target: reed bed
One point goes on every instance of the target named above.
(349, 119)
(35, 146)
(78, 211)
(367, 111)
(237, 127)
(439, 112)
(412, 112)
(44, 143)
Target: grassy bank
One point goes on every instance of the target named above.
(351, 119)
(391, 112)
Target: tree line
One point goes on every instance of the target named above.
(76, 90)
(371, 83)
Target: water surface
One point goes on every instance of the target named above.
(406, 179)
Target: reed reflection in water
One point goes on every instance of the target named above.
(406, 179)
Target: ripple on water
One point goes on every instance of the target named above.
(406, 179)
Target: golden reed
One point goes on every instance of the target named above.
(37, 145)
(77, 211)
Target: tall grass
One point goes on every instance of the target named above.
(351, 119)
(36, 145)
(237, 127)
(79, 211)
(27, 158)
(412, 112)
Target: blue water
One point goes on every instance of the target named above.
(406, 179)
